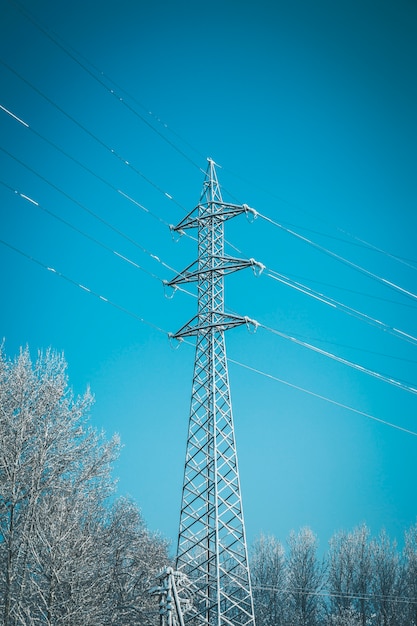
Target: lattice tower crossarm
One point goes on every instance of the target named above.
(212, 548)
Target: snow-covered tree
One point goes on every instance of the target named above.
(268, 581)
(410, 564)
(388, 583)
(135, 555)
(62, 554)
(305, 580)
(345, 617)
(350, 573)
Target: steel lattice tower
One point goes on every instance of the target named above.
(212, 547)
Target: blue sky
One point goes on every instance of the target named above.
(309, 110)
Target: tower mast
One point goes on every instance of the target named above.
(212, 548)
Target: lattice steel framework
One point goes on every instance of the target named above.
(212, 547)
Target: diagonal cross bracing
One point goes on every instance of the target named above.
(212, 547)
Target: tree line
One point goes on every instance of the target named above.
(362, 581)
(73, 554)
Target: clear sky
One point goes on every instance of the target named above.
(309, 108)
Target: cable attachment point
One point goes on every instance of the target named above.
(169, 290)
(176, 234)
(174, 342)
(257, 267)
(251, 214)
(251, 325)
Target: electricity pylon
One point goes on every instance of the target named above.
(212, 548)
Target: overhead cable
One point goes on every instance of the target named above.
(66, 49)
(75, 56)
(90, 171)
(89, 211)
(338, 257)
(371, 246)
(170, 197)
(412, 263)
(396, 332)
(93, 136)
(78, 230)
(100, 243)
(321, 397)
(358, 349)
(83, 166)
(395, 599)
(407, 304)
(361, 243)
(247, 367)
(83, 287)
(387, 379)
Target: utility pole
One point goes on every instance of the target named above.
(212, 548)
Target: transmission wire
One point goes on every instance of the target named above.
(276, 224)
(335, 594)
(65, 49)
(321, 397)
(90, 171)
(396, 332)
(100, 243)
(84, 208)
(72, 55)
(247, 367)
(275, 275)
(340, 258)
(292, 232)
(387, 379)
(134, 263)
(83, 287)
(93, 136)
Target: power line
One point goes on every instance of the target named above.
(358, 293)
(169, 196)
(99, 243)
(361, 242)
(83, 166)
(83, 287)
(89, 211)
(90, 171)
(373, 352)
(93, 136)
(356, 366)
(115, 252)
(230, 360)
(73, 54)
(280, 226)
(65, 49)
(367, 371)
(153, 256)
(321, 397)
(338, 257)
(274, 275)
(408, 262)
(79, 231)
(396, 332)
(387, 379)
(338, 594)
